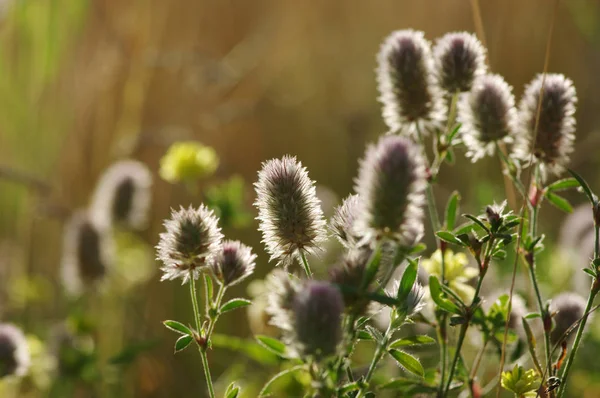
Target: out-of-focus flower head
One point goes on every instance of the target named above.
(407, 83)
(123, 195)
(192, 239)
(88, 251)
(289, 213)
(523, 383)
(457, 272)
(568, 308)
(342, 222)
(14, 351)
(188, 161)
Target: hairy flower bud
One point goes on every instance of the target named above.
(556, 126)
(233, 263)
(390, 183)
(14, 352)
(87, 253)
(342, 221)
(192, 238)
(460, 59)
(289, 213)
(414, 301)
(569, 308)
(123, 195)
(282, 289)
(487, 115)
(318, 309)
(407, 84)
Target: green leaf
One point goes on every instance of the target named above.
(559, 202)
(436, 295)
(247, 347)
(412, 341)
(584, 185)
(418, 248)
(233, 304)
(374, 333)
(408, 362)
(364, 335)
(177, 327)
(408, 280)
(449, 237)
(453, 133)
(183, 342)
(478, 222)
(532, 315)
(372, 268)
(561, 185)
(284, 372)
(452, 210)
(589, 272)
(232, 391)
(382, 299)
(271, 344)
(355, 386)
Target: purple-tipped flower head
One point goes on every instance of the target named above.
(123, 195)
(342, 221)
(233, 263)
(318, 309)
(87, 253)
(556, 127)
(407, 83)
(14, 352)
(487, 115)
(192, 239)
(290, 215)
(569, 308)
(390, 183)
(282, 289)
(460, 59)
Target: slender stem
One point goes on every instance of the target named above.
(381, 346)
(216, 306)
(593, 292)
(461, 339)
(211, 389)
(542, 312)
(194, 298)
(305, 264)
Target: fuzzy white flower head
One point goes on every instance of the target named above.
(281, 292)
(568, 308)
(407, 83)
(555, 127)
(487, 115)
(88, 253)
(414, 302)
(391, 183)
(342, 221)
(15, 358)
(233, 263)
(123, 195)
(459, 59)
(192, 239)
(289, 212)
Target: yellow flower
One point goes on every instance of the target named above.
(457, 272)
(187, 161)
(524, 383)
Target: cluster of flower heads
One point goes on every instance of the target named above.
(193, 243)
(121, 200)
(416, 83)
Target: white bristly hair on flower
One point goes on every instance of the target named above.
(413, 303)
(459, 59)
(192, 239)
(289, 212)
(233, 263)
(556, 126)
(123, 195)
(342, 221)
(88, 252)
(14, 352)
(487, 115)
(391, 183)
(407, 84)
(282, 289)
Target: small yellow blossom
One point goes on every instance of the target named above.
(457, 272)
(523, 383)
(188, 161)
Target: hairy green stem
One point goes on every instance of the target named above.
(202, 350)
(381, 347)
(305, 264)
(593, 292)
(209, 383)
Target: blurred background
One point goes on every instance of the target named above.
(86, 83)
